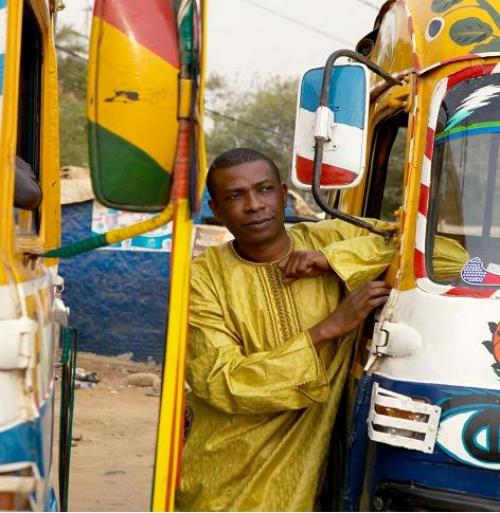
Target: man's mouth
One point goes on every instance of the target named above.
(258, 223)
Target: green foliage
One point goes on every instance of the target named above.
(73, 131)
(72, 93)
(262, 118)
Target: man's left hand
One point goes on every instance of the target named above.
(303, 264)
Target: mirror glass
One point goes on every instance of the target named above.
(344, 154)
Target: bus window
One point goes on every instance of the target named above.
(464, 214)
(385, 181)
(29, 114)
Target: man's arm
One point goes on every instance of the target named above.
(27, 191)
(351, 312)
(290, 376)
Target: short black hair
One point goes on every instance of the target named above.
(235, 157)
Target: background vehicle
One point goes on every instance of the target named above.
(423, 428)
(163, 42)
(29, 308)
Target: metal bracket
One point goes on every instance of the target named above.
(401, 421)
(18, 338)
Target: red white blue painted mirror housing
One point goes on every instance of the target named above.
(344, 121)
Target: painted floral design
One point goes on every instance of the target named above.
(472, 30)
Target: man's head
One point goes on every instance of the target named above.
(247, 195)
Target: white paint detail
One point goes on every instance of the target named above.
(428, 285)
(477, 99)
(332, 154)
(450, 440)
(452, 329)
(426, 172)
(437, 98)
(420, 233)
(19, 352)
(481, 438)
(3, 30)
(417, 431)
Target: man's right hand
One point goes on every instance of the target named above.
(351, 312)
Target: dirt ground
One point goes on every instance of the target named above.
(115, 433)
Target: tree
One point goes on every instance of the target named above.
(72, 93)
(262, 119)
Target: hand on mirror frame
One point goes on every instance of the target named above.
(303, 264)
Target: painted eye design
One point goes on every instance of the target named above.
(434, 28)
(471, 435)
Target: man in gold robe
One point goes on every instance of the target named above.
(272, 320)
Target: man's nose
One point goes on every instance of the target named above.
(253, 202)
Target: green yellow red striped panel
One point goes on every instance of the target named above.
(133, 102)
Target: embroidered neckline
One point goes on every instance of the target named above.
(261, 264)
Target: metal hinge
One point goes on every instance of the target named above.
(395, 339)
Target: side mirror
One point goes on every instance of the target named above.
(132, 103)
(345, 120)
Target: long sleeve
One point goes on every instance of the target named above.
(355, 254)
(288, 377)
(358, 261)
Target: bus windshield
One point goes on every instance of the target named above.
(464, 214)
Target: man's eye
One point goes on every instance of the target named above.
(267, 188)
(233, 196)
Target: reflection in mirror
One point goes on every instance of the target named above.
(344, 154)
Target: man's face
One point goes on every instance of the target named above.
(250, 201)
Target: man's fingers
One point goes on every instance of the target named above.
(300, 264)
(378, 301)
(379, 291)
(378, 283)
(283, 262)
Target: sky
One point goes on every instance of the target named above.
(250, 40)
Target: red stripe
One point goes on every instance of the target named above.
(419, 264)
(429, 147)
(473, 71)
(423, 203)
(462, 291)
(151, 23)
(330, 175)
(410, 25)
(491, 279)
(416, 62)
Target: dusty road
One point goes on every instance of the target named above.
(112, 464)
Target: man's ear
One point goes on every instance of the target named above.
(215, 211)
(284, 188)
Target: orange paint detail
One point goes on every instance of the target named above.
(181, 168)
(495, 342)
